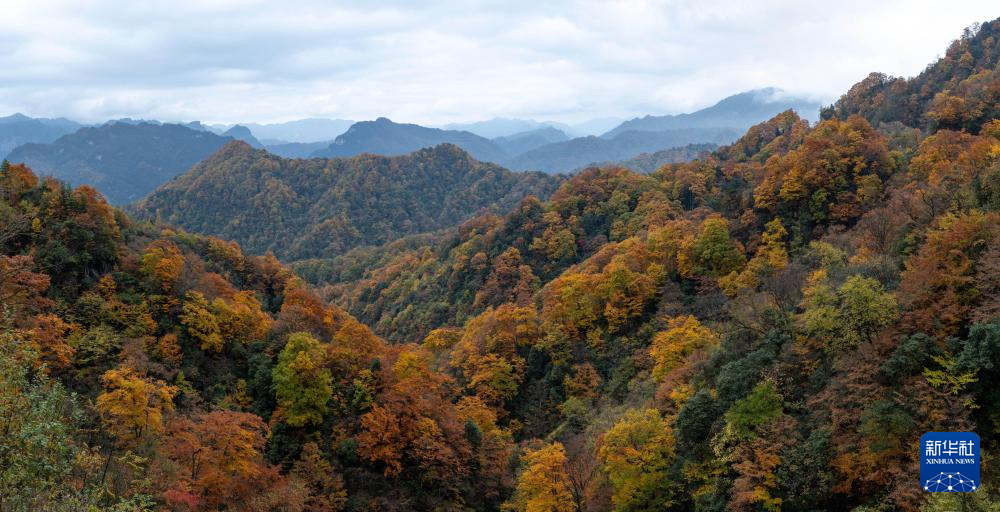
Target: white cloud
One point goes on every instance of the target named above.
(449, 60)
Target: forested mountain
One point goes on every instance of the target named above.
(384, 137)
(18, 129)
(309, 208)
(561, 157)
(772, 326)
(739, 112)
(960, 91)
(121, 160)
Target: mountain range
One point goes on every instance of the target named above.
(649, 162)
(301, 130)
(545, 147)
(580, 152)
(128, 158)
(504, 126)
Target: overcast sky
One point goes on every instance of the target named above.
(449, 61)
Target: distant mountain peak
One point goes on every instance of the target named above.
(738, 111)
(15, 117)
(240, 132)
(385, 137)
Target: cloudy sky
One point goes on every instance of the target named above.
(445, 61)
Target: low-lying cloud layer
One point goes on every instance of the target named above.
(448, 61)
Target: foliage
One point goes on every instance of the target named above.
(301, 382)
(684, 336)
(133, 405)
(543, 485)
(636, 452)
(38, 417)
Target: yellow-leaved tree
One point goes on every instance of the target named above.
(543, 485)
(636, 454)
(685, 335)
(132, 405)
(201, 323)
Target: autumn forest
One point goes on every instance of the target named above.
(769, 324)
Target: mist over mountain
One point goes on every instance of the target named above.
(543, 146)
(122, 160)
(300, 130)
(499, 126)
(17, 129)
(112, 157)
(295, 149)
(576, 153)
(525, 141)
(739, 111)
(384, 137)
(595, 126)
(504, 127)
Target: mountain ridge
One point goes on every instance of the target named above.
(316, 206)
